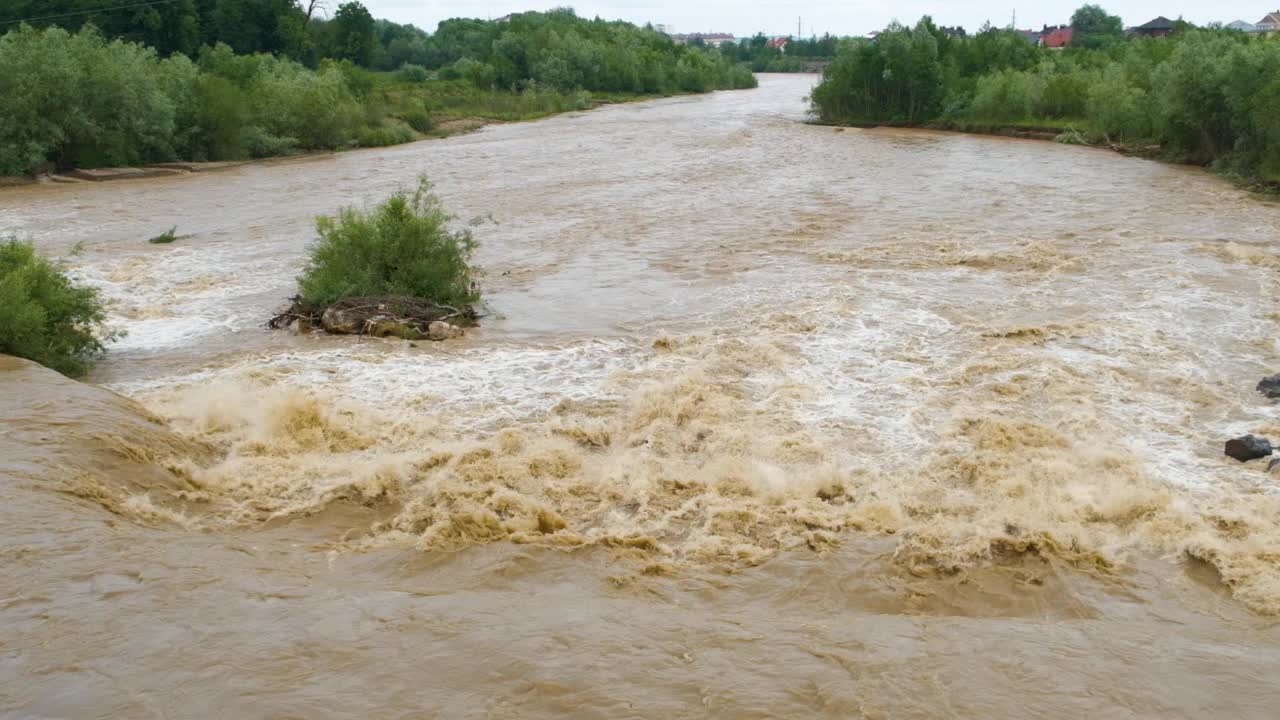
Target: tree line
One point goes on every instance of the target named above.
(1204, 95)
(301, 30)
(85, 97)
(757, 53)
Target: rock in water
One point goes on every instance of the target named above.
(441, 330)
(342, 322)
(1248, 447)
(1270, 386)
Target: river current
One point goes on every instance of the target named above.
(766, 420)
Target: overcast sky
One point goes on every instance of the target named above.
(841, 17)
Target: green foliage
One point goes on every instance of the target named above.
(1207, 96)
(353, 33)
(78, 99)
(1093, 28)
(165, 237)
(561, 51)
(404, 246)
(419, 120)
(1117, 108)
(83, 100)
(756, 54)
(898, 77)
(392, 134)
(412, 73)
(44, 316)
(1007, 95)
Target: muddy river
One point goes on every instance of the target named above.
(767, 420)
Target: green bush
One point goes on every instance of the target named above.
(1118, 109)
(393, 134)
(166, 237)
(44, 316)
(412, 73)
(480, 74)
(261, 144)
(419, 120)
(401, 247)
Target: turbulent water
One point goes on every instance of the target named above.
(768, 420)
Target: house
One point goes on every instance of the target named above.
(1270, 23)
(778, 43)
(955, 32)
(709, 39)
(1160, 27)
(1242, 26)
(1056, 38)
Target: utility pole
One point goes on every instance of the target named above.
(1014, 25)
(798, 35)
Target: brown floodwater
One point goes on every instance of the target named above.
(767, 420)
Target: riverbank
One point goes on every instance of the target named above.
(1062, 134)
(470, 115)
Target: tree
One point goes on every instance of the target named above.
(354, 37)
(1092, 27)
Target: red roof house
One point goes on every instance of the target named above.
(1056, 38)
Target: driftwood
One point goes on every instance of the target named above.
(399, 316)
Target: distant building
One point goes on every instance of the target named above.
(1031, 36)
(1270, 23)
(778, 43)
(1160, 27)
(1242, 26)
(710, 39)
(1056, 37)
(955, 32)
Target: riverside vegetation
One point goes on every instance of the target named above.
(90, 97)
(44, 315)
(1204, 95)
(397, 269)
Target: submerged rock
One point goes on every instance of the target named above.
(392, 316)
(441, 330)
(1270, 386)
(1248, 447)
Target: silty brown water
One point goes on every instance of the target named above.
(770, 421)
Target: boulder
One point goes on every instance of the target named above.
(391, 327)
(1248, 447)
(343, 322)
(1270, 386)
(441, 330)
(300, 326)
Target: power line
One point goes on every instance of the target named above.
(88, 12)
